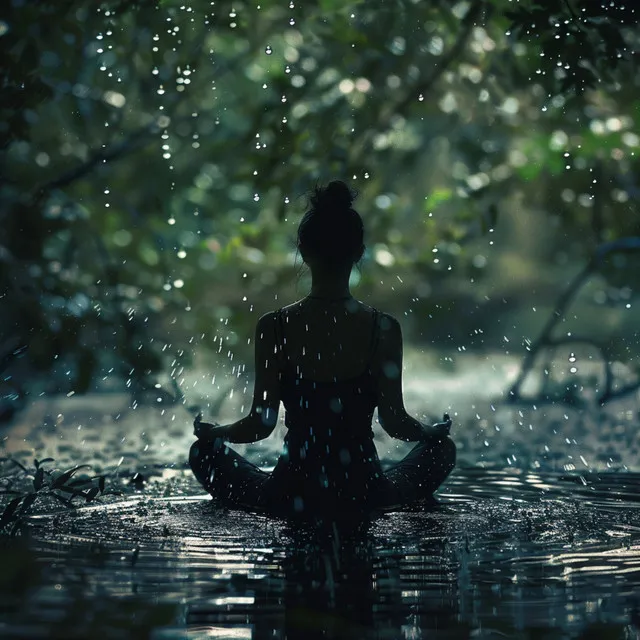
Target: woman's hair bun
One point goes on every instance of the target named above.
(331, 231)
(335, 196)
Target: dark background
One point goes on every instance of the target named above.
(156, 156)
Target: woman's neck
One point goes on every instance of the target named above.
(329, 294)
(334, 288)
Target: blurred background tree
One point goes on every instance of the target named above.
(155, 155)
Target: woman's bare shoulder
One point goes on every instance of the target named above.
(267, 320)
(355, 307)
(386, 320)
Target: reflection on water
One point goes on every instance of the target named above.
(504, 555)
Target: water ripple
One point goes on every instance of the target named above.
(504, 553)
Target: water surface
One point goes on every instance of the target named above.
(505, 554)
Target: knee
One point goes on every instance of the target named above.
(194, 454)
(448, 452)
(203, 450)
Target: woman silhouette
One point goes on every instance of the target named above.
(331, 360)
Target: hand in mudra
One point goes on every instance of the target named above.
(438, 430)
(207, 431)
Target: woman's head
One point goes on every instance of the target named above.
(331, 233)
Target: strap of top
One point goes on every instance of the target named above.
(279, 331)
(375, 335)
(280, 341)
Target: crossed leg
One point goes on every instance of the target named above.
(226, 474)
(419, 473)
(230, 477)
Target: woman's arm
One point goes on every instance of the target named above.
(263, 415)
(392, 414)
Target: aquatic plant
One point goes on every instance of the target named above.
(61, 486)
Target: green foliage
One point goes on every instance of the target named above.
(577, 42)
(155, 155)
(46, 483)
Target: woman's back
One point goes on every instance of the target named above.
(328, 387)
(328, 342)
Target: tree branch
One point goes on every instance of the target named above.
(545, 336)
(423, 86)
(573, 15)
(622, 245)
(138, 139)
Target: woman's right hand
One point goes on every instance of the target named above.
(438, 430)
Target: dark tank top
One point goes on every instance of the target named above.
(329, 458)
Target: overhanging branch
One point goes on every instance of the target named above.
(136, 140)
(424, 85)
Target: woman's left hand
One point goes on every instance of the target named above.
(207, 431)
